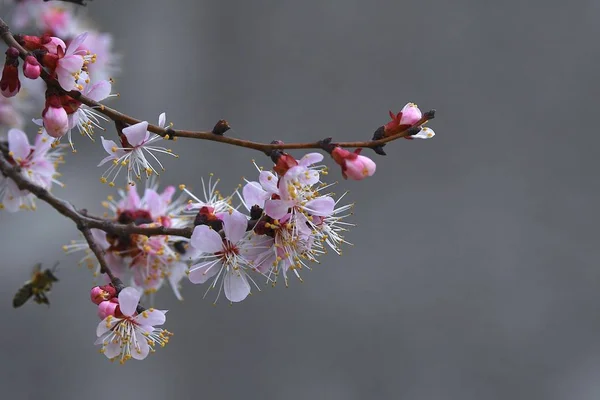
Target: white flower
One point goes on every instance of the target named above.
(131, 334)
(135, 147)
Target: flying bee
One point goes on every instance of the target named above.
(37, 287)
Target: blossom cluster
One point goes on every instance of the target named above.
(270, 229)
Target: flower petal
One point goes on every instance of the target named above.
(105, 325)
(236, 285)
(310, 159)
(150, 318)
(162, 120)
(136, 134)
(206, 239)
(132, 199)
(424, 133)
(128, 300)
(234, 225)
(109, 146)
(202, 272)
(154, 203)
(18, 144)
(254, 194)
(321, 206)
(112, 349)
(176, 273)
(75, 43)
(142, 349)
(99, 91)
(277, 209)
(268, 180)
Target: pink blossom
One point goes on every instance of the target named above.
(354, 166)
(409, 115)
(128, 334)
(69, 64)
(135, 146)
(230, 258)
(38, 164)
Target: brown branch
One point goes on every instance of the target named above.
(83, 221)
(169, 132)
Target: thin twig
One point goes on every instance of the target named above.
(170, 133)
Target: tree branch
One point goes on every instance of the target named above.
(170, 133)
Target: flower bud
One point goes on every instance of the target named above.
(354, 166)
(55, 117)
(107, 308)
(99, 294)
(31, 68)
(409, 115)
(9, 83)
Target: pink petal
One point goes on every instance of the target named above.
(75, 43)
(136, 134)
(105, 160)
(202, 272)
(100, 90)
(206, 239)
(321, 206)
(150, 318)
(144, 347)
(132, 199)
(277, 209)
(18, 144)
(236, 286)
(128, 300)
(154, 203)
(254, 194)
(234, 225)
(167, 194)
(310, 159)
(268, 180)
(109, 146)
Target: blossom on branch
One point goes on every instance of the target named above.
(38, 164)
(135, 153)
(126, 333)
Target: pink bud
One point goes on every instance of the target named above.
(55, 117)
(52, 44)
(98, 294)
(10, 84)
(31, 68)
(410, 114)
(354, 166)
(107, 308)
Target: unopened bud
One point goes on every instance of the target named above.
(32, 68)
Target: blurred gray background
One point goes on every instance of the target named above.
(475, 270)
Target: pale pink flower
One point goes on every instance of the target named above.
(132, 154)
(106, 61)
(87, 118)
(70, 61)
(38, 164)
(229, 258)
(129, 334)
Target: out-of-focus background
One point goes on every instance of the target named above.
(474, 273)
